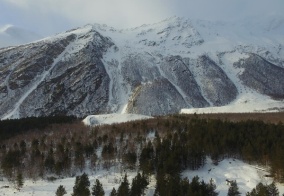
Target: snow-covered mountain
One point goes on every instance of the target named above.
(12, 36)
(152, 69)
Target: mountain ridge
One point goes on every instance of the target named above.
(152, 70)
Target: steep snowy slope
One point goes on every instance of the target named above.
(152, 69)
(11, 36)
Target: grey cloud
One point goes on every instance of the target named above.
(53, 16)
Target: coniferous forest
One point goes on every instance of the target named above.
(54, 147)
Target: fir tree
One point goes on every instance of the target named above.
(273, 190)
(147, 159)
(123, 189)
(19, 181)
(97, 189)
(81, 187)
(49, 162)
(211, 187)
(233, 189)
(23, 147)
(79, 160)
(139, 184)
(113, 192)
(261, 189)
(60, 191)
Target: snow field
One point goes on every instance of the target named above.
(93, 120)
(246, 175)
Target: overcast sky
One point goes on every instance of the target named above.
(48, 17)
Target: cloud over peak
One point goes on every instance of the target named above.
(52, 16)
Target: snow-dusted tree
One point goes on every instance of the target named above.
(81, 187)
(123, 189)
(272, 189)
(262, 189)
(60, 191)
(211, 187)
(234, 189)
(113, 192)
(97, 189)
(139, 184)
(19, 181)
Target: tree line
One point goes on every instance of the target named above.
(163, 146)
(170, 187)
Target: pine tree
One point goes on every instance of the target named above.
(49, 162)
(97, 189)
(259, 190)
(139, 184)
(81, 187)
(10, 162)
(147, 159)
(79, 160)
(60, 191)
(233, 189)
(19, 181)
(113, 192)
(23, 147)
(123, 189)
(273, 190)
(211, 188)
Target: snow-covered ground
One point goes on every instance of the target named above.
(245, 103)
(112, 118)
(109, 179)
(247, 177)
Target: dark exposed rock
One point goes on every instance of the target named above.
(78, 86)
(178, 73)
(262, 76)
(215, 84)
(156, 98)
(138, 68)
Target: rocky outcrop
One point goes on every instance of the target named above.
(156, 98)
(215, 85)
(263, 76)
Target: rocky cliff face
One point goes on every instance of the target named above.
(154, 69)
(263, 76)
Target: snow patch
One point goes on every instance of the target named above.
(93, 120)
(245, 103)
(247, 176)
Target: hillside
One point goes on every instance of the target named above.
(153, 69)
(167, 149)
